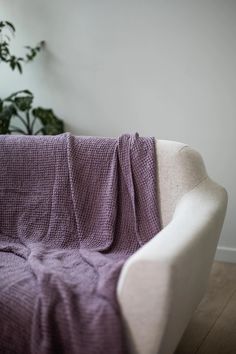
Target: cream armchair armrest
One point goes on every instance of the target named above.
(163, 282)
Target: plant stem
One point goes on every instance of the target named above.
(22, 120)
(38, 131)
(32, 124)
(28, 123)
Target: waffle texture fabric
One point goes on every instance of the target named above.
(72, 209)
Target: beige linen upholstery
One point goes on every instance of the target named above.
(163, 282)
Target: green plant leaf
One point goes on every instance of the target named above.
(51, 124)
(19, 67)
(12, 63)
(6, 55)
(5, 118)
(23, 103)
(11, 26)
(28, 92)
(17, 94)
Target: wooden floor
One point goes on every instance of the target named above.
(212, 329)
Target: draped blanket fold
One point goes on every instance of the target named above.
(72, 210)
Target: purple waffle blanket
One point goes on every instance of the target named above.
(72, 209)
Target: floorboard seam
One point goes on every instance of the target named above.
(213, 325)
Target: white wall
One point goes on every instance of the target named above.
(160, 67)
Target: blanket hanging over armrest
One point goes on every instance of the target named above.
(72, 209)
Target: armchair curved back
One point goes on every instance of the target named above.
(180, 169)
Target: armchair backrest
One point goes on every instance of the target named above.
(179, 169)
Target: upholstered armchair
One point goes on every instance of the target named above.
(161, 285)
